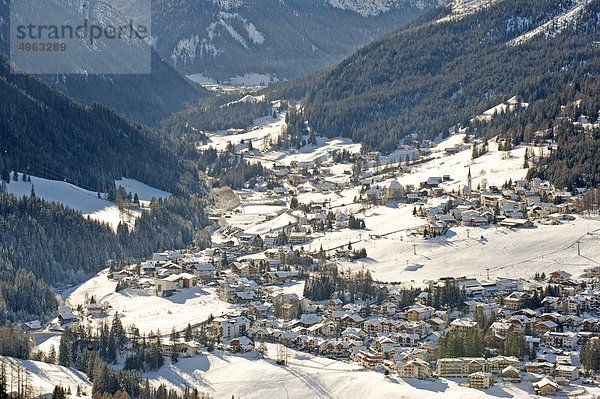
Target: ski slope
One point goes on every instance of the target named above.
(89, 203)
(307, 376)
(505, 252)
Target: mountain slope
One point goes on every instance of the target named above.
(279, 39)
(141, 98)
(444, 69)
(90, 146)
(145, 98)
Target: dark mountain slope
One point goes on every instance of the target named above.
(145, 98)
(89, 145)
(432, 75)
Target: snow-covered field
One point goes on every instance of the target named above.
(307, 376)
(44, 377)
(84, 201)
(320, 152)
(147, 311)
(496, 167)
(145, 192)
(505, 252)
(267, 128)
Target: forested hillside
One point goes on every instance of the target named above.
(52, 136)
(141, 98)
(436, 73)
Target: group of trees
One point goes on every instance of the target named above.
(479, 341)
(297, 133)
(589, 202)
(448, 295)
(228, 168)
(479, 150)
(215, 113)
(590, 355)
(329, 281)
(93, 352)
(573, 162)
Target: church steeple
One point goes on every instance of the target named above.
(469, 181)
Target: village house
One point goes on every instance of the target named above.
(232, 286)
(228, 327)
(183, 348)
(460, 367)
(515, 300)
(415, 368)
(542, 368)
(66, 315)
(499, 363)
(559, 277)
(239, 344)
(419, 313)
(280, 277)
(167, 286)
(545, 387)
(203, 271)
(481, 380)
(571, 373)
(369, 360)
(96, 310)
(259, 310)
(245, 269)
(510, 374)
(561, 339)
(463, 325)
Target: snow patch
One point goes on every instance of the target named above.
(555, 25)
(145, 192)
(43, 377)
(510, 105)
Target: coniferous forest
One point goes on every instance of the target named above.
(403, 84)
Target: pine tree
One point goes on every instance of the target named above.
(118, 332)
(58, 393)
(5, 171)
(65, 357)
(174, 341)
(188, 334)
(51, 358)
